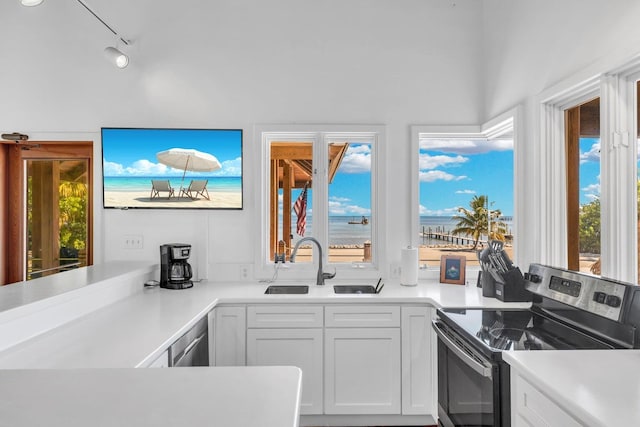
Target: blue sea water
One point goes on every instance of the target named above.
(143, 183)
(343, 233)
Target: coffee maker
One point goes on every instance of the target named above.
(175, 271)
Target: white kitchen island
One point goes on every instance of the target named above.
(198, 396)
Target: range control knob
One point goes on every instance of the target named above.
(600, 297)
(613, 301)
(533, 278)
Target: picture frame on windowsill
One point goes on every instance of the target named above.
(452, 269)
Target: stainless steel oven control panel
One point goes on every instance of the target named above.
(597, 295)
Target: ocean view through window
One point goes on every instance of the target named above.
(322, 185)
(465, 197)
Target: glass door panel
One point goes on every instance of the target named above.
(349, 204)
(582, 126)
(56, 215)
(291, 193)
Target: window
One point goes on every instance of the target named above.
(582, 129)
(349, 201)
(565, 142)
(465, 193)
(321, 185)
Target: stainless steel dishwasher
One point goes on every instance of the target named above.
(191, 349)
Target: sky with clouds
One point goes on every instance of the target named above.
(589, 169)
(132, 152)
(453, 171)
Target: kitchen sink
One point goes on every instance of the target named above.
(287, 289)
(354, 289)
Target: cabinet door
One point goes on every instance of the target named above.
(417, 380)
(291, 347)
(362, 371)
(229, 328)
(530, 407)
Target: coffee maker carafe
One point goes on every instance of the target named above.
(175, 271)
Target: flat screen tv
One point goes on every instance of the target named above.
(146, 168)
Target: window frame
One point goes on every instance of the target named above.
(618, 174)
(492, 129)
(321, 136)
(552, 218)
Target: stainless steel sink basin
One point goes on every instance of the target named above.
(354, 289)
(287, 289)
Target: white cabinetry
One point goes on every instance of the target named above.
(362, 360)
(417, 371)
(227, 329)
(162, 361)
(289, 336)
(531, 408)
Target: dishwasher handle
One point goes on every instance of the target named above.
(185, 353)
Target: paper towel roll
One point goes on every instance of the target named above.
(409, 267)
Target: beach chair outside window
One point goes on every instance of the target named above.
(197, 187)
(161, 185)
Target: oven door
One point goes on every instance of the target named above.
(468, 383)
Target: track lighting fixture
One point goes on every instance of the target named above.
(116, 57)
(31, 2)
(113, 54)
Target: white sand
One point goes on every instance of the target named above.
(141, 199)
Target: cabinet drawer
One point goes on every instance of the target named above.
(284, 316)
(362, 316)
(534, 408)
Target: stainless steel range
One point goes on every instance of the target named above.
(570, 311)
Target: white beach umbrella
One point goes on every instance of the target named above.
(188, 159)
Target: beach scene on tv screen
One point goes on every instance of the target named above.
(172, 168)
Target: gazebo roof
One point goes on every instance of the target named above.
(299, 155)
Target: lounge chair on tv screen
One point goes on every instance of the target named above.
(197, 187)
(161, 185)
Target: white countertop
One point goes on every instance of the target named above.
(250, 396)
(24, 295)
(598, 387)
(133, 331)
(116, 324)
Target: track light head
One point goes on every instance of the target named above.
(31, 2)
(116, 57)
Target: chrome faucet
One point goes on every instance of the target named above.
(321, 276)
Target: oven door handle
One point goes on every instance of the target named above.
(480, 368)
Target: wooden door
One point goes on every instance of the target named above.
(43, 184)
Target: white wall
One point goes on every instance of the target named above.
(536, 49)
(237, 63)
(531, 46)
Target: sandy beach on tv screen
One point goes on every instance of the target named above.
(142, 199)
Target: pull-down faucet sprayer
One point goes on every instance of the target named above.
(321, 276)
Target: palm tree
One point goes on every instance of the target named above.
(474, 222)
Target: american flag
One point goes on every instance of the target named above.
(300, 208)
